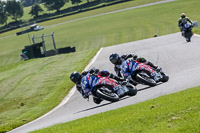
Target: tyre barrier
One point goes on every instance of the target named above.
(34, 51)
(50, 53)
(66, 50)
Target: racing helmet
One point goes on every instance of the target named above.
(114, 58)
(183, 15)
(75, 77)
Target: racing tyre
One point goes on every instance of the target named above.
(165, 78)
(145, 80)
(132, 91)
(109, 96)
(188, 39)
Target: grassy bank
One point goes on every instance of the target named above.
(80, 15)
(174, 113)
(28, 16)
(30, 89)
(38, 85)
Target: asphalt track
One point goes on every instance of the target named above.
(179, 59)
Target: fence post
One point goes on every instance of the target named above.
(33, 39)
(43, 44)
(54, 44)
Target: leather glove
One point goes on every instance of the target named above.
(135, 57)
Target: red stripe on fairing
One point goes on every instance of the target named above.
(106, 81)
(146, 67)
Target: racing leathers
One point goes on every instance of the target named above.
(181, 23)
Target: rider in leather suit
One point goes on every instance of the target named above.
(183, 20)
(86, 79)
(122, 65)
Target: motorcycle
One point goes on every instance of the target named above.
(103, 89)
(187, 31)
(144, 77)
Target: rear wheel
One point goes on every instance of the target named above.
(145, 80)
(109, 96)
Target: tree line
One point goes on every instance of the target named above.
(27, 3)
(14, 9)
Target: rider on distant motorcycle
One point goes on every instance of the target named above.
(87, 79)
(123, 63)
(183, 20)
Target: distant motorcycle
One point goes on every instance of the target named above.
(103, 89)
(187, 31)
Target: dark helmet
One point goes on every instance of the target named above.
(114, 58)
(183, 15)
(75, 77)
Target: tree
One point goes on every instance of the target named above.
(76, 2)
(14, 9)
(3, 13)
(54, 4)
(35, 9)
(26, 3)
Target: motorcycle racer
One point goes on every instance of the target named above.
(87, 80)
(126, 63)
(183, 20)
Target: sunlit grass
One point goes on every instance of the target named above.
(45, 81)
(174, 113)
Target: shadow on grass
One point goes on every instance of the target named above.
(62, 13)
(92, 5)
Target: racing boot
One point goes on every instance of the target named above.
(133, 82)
(97, 100)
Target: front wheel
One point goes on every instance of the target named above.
(109, 96)
(165, 77)
(188, 36)
(188, 39)
(132, 90)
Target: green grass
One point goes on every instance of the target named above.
(42, 83)
(39, 84)
(80, 15)
(27, 16)
(174, 113)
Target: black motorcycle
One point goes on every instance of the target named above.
(187, 31)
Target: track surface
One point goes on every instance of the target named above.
(179, 59)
